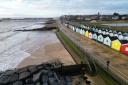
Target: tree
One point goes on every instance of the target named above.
(116, 14)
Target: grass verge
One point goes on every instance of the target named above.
(79, 55)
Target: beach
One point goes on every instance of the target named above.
(19, 49)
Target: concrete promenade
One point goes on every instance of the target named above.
(101, 54)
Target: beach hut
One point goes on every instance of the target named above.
(119, 33)
(115, 34)
(86, 33)
(99, 31)
(116, 44)
(93, 29)
(81, 30)
(73, 28)
(106, 33)
(111, 34)
(107, 40)
(120, 37)
(110, 31)
(76, 29)
(90, 35)
(100, 38)
(94, 36)
(82, 26)
(124, 47)
(125, 35)
(66, 25)
(103, 32)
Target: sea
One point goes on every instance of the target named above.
(15, 46)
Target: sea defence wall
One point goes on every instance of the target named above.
(43, 74)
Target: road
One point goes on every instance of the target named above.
(101, 54)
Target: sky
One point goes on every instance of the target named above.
(54, 8)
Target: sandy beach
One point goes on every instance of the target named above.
(22, 48)
(50, 50)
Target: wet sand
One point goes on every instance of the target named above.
(50, 50)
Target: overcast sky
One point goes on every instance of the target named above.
(52, 8)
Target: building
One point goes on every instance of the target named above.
(90, 35)
(120, 37)
(124, 47)
(86, 33)
(111, 34)
(116, 44)
(99, 31)
(107, 41)
(100, 38)
(106, 33)
(103, 32)
(94, 36)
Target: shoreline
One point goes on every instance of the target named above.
(54, 51)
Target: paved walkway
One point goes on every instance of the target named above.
(101, 53)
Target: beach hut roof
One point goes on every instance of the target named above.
(114, 32)
(119, 33)
(124, 41)
(105, 36)
(125, 33)
(91, 31)
(96, 33)
(113, 38)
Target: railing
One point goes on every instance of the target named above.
(116, 74)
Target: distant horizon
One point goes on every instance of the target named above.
(21, 17)
(56, 8)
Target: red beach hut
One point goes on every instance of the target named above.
(124, 47)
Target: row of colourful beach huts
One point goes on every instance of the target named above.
(114, 39)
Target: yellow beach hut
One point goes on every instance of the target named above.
(86, 33)
(116, 44)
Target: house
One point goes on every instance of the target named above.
(90, 35)
(94, 36)
(100, 38)
(107, 40)
(116, 44)
(86, 33)
(124, 47)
